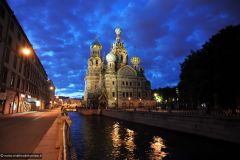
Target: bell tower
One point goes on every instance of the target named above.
(95, 69)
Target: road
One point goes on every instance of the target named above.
(21, 133)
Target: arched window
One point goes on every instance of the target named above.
(96, 62)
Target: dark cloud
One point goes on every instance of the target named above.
(161, 33)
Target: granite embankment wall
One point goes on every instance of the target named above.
(224, 128)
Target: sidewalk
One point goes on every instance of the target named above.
(2, 116)
(47, 145)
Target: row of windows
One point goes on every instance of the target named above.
(16, 60)
(127, 94)
(15, 82)
(128, 83)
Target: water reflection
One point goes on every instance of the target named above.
(116, 141)
(129, 140)
(157, 145)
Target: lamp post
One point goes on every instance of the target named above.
(115, 102)
(140, 101)
(25, 52)
(51, 88)
(129, 98)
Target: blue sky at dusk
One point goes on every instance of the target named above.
(160, 32)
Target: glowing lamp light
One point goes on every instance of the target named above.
(26, 51)
(158, 98)
(51, 88)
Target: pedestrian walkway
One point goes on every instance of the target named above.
(47, 145)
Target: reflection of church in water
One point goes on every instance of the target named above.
(115, 84)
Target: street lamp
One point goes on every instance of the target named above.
(26, 51)
(51, 88)
(115, 102)
(129, 98)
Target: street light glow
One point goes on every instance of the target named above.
(26, 51)
(51, 88)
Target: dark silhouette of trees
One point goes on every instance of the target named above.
(211, 74)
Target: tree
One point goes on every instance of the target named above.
(211, 74)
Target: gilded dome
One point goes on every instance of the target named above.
(111, 57)
(135, 60)
(96, 44)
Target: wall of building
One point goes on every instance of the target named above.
(23, 80)
(224, 128)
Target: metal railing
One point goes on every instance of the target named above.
(64, 142)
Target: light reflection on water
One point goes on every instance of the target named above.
(117, 142)
(157, 145)
(99, 137)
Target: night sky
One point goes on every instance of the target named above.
(160, 32)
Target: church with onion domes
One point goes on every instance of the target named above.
(115, 83)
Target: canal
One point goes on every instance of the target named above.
(99, 137)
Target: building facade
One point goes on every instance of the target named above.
(116, 84)
(23, 80)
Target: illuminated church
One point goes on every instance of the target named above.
(115, 83)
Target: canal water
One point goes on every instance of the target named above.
(99, 137)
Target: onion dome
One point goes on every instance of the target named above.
(96, 45)
(111, 57)
(135, 61)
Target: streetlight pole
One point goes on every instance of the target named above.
(129, 98)
(25, 52)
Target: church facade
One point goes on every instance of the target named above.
(115, 84)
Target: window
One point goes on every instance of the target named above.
(96, 62)
(139, 94)
(1, 32)
(130, 94)
(12, 80)
(126, 83)
(122, 82)
(112, 82)
(138, 83)
(130, 83)
(123, 94)
(18, 82)
(113, 94)
(15, 61)
(19, 36)
(20, 65)
(5, 73)
(12, 26)
(2, 12)
(23, 82)
(126, 94)
(7, 55)
(9, 41)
